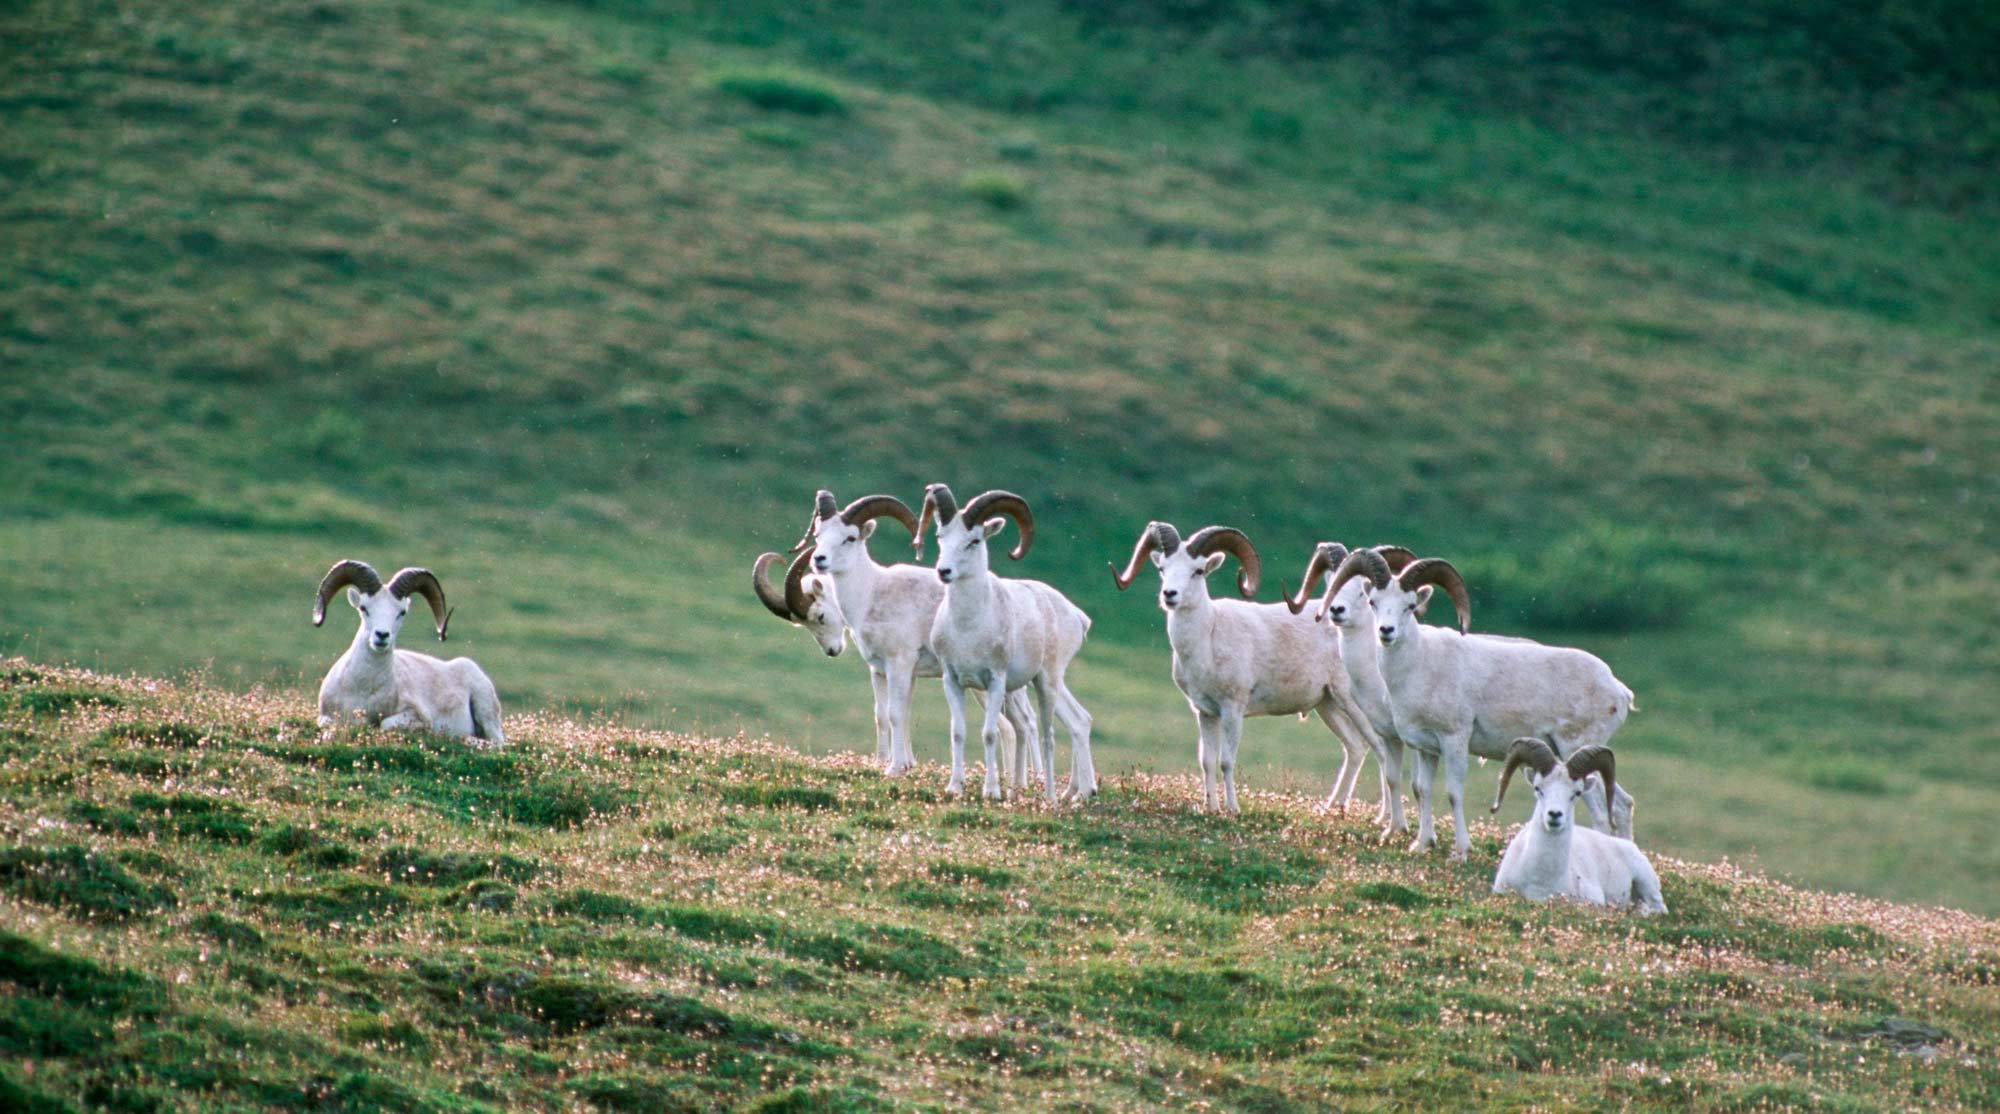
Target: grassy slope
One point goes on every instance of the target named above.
(658, 921)
(514, 291)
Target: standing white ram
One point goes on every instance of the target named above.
(999, 635)
(377, 684)
(1454, 695)
(1234, 658)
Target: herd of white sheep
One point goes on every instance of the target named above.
(1382, 681)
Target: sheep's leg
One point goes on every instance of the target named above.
(402, 721)
(485, 708)
(1455, 764)
(1426, 792)
(1356, 732)
(1076, 723)
(884, 748)
(1354, 745)
(954, 699)
(902, 687)
(1208, 752)
(989, 735)
(1045, 736)
(1232, 737)
(1020, 722)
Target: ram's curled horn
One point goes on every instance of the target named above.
(937, 502)
(797, 599)
(1326, 557)
(768, 593)
(1438, 571)
(823, 507)
(1230, 540)
(870, 507)
(1398, 557)
(1157, 535)
(1525, 751)
(1364, 563)
(414, 581)
(359, 574)
(1596, 760)
(989, 503)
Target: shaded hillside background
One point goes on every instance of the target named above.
(1676, 326)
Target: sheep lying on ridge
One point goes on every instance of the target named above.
(1551, 857)
(377, 684)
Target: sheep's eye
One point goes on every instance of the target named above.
(974, 542)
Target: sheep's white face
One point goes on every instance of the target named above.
(381, 617)
(838, 547)
(1556, 797)
(1397, 611)
(1350, 608)
(1184, 579)
(962, 549)
(824, 618)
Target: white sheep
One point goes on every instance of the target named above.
(1551, 857)
(808, 600)
(1000, 634)
(1354, 621)
(1233, 658)
(377, 684)
(1454, 695)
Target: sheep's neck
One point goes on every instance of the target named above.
(969, 600)
(1545, 866)
(1358, 650)
(1190, 625)
(366, 670)
(854, 588)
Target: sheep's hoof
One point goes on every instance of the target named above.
(991, 792)
(1418, 846)
(1458, 855)
(954, 789)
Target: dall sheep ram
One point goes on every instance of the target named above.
(377, 684)
(1453, 695)
(1234, 658)
(808, 600)
(1551, 857)
(999, 635)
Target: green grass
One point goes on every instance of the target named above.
(863, 944)
(527, 294)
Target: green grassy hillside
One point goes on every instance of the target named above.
(577, 304)
(209, 906)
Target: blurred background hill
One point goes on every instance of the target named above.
(1675, 326)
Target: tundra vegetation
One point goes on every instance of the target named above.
(206, 904)
(574, 301)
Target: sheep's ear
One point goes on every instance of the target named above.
(353, 598)
(1423, 599)
(867, 529)
(1211, 563)
(994, 526)
(1159, 559)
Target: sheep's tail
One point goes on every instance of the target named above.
(486, 714)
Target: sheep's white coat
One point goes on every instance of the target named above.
(379, 685)
(1453, 695)
(1551, 857)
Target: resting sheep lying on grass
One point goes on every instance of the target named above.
(1551, 857)
(376, 684)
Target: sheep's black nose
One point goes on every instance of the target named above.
(944, 575)
(1340, 613)
(1170, 595)
(1554, 816)
(820, 563)
(1388, 632)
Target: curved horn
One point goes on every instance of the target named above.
(989, 503)
(1230, 540)
(1398, 557)
(1364, 563)
(768, 593)
(1532, 752)
(796, 597)
(871, 507)
(1438, 571)
(1157, 535)
(1326, 556)
(360, 574)
(1596, 760)
(823, 507)
(414, 581)
(937, 501)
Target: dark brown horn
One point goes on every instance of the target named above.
(937, 501)
(1534, 752)
(768, 593)
(414, 581)
(823, 507)
(795, 586)
(1326, 555)
(1398, 557)
(1596, 760)
(1230, 540)
(360, 574)
(1438, 571)
(871, 507)
(1365, 563)
(989, 503)
(1156, 535)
